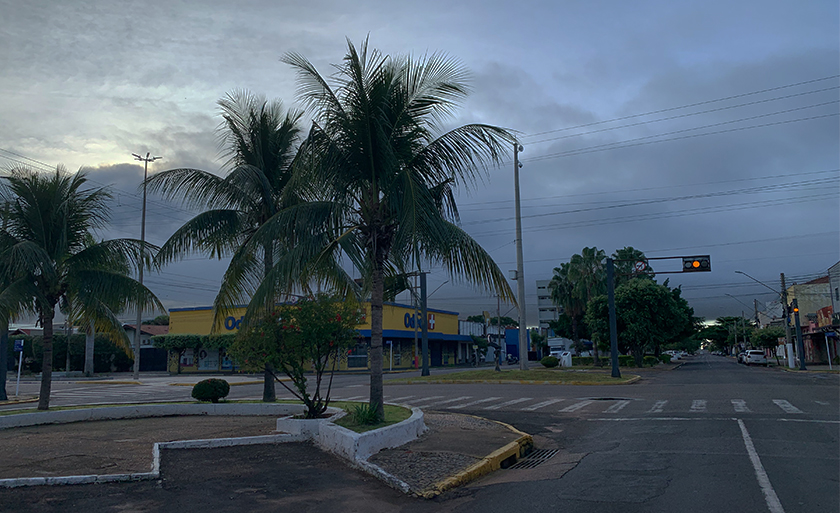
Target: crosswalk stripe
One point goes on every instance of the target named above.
(786, 406)
(617, 407)
(657, 407)
(459, 406)
(424, 399)
(542, 405)
(398, 399)
(462, 398)
(508, 403)
(698, 405)
(354, 398)
(740, 405)
(576, 406)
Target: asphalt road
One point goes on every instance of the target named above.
(711, 436)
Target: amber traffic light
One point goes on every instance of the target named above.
(696, 264)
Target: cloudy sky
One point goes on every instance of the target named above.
(678, 128)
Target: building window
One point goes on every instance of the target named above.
(836, 294)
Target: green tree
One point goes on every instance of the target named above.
(381, 177)
(160, 320)
(575, 283)
(260, 141)
(768, 338)
(47, 233)
(625, 265)
(311, 335)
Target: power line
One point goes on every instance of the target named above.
(670, 109)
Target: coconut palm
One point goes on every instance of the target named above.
(379, 173)
(260, 142)
(46, 236)
(576, 282)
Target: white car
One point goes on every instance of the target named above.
(755, 356)
(675, 355)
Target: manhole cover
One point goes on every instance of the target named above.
(534, 459)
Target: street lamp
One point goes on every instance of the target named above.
(520, 272)
(148, 158)
(743, 321)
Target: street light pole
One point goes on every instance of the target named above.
(148, 158)
(520, 272)
(785, 314)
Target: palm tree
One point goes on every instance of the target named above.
(379, 174)
(260, 141)
(46, 236)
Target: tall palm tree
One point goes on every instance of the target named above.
(260, 142)
(46, 236)
(377, 167)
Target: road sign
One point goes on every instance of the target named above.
(18, 346)
(640, 266)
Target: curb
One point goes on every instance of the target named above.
(21, 401)
(515, 382)
(107, 382)
(806, 371)
(500, 458)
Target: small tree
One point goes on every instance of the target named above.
(768, 338)
(310, 335)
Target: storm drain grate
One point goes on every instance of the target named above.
(535, 459)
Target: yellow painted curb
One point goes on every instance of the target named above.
(820, 371)
(20, 401)
(493, 461)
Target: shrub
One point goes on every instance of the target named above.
(211, 390)
(365, 414)
(582, 360)
(626, 360)
(665, 358)
(650, 361)
(550, 361)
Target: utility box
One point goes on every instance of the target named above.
(565, 359)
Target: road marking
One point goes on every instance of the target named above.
(824, 403)
(455, 400)
(424, 399)
(811, 420)
(740, 405)
(770, 496)
(576, 406)
(786, 406)
(698, 405)
(617, 407)
(459, 406)
(401, 398)
(542, 405)
(354, 398)
(508, 403)
(657, 407)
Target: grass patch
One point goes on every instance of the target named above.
(393, 415)
(535, 376)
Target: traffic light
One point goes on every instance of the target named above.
(696, 264)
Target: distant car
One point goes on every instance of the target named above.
(755, 357)
(741, 357)
(675, 355)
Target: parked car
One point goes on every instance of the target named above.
(755, 356)
(741, 357)
(675, 355)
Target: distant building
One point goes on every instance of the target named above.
(816, 317)
(548, 311)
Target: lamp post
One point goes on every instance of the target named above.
(148, 158)
(785, 314)
(520, 273)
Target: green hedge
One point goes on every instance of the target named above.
(623, 360)
(550, 361)
(107, 356)
(650, 361)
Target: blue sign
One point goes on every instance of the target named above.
(18, 346)
(232, 323)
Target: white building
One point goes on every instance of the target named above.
(548, 311)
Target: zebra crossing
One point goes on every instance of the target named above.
(609, 406)
(111, 393)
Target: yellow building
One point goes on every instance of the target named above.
(401, 349)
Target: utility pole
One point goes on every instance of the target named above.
(499, 324)
(148, 158)
(520, 272)
(757, 321)
(800, 344)
(425, 326)
(616, 373)
(786, 314)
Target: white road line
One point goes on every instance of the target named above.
(462, 398)
(424, 399)
(617, 407)
(398, 399)
(740, 405)
(354, 398)
(459, 406)
(508, 403)
(576, 406)
(657, 407)
(770, 496)
(543, 404)
(786, 406)
(698, 406)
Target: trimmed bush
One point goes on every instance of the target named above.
(626, 360)
(665, 358)
(650, 361)
(211, 390)
(550, 361)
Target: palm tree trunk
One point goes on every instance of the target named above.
(4, 348)
(47, 361)
(376, 299)
(269, 391)
(90, 337)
